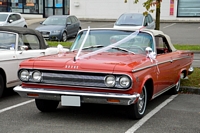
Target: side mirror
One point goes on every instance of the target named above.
(150, 54)
(24, 47)
(69, 23)
(41, 22)
(146, 24)
(10, 21)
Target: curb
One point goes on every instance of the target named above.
(191, 90)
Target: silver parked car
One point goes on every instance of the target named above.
(135, 21)
(12, 19)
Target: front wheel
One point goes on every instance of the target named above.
(176, 88)
(137, 110)
(46, 105)
(64, 37)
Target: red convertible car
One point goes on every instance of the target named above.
(106, 66)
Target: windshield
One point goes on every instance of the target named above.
(113, 41)
(130, 19)
(55, 21)
(3, 17)
(8, 40)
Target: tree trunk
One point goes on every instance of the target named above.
(158, 5)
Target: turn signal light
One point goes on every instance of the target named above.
(113, 100)
(32, 95)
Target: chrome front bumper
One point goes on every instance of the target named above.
(86, 97)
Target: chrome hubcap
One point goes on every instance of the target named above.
(64, 36)
(178, 85)
(142, 101)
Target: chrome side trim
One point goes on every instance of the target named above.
(163, 91)
(86, 97)
(159, 63)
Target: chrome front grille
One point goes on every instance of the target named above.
(45, 32)
(79, 79)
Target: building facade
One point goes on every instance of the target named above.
(43, 8)
(101, 9)
(112, 9)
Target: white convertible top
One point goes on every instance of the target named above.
(160, 33)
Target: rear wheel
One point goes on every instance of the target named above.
(64, 37)
(46, 105)
(2, 85)
(137, 110)
(176, 88)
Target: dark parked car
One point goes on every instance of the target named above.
(59, 27)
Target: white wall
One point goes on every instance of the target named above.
(112, 9)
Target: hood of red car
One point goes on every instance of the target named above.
(102, 61)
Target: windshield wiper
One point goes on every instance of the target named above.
(94, 46)
(122, 49)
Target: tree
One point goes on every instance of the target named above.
(148, 4)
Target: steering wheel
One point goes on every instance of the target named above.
(134, 47)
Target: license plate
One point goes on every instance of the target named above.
(70, 101)
(45, 35)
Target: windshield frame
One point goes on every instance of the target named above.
(126, 35)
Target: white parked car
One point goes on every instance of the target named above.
(135, 21)
(16, 45)
(12, 19)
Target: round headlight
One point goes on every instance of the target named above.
(37, 76)
(124, 81)
(24, 75)
(110, 81)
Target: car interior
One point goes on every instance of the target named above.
(162, 45)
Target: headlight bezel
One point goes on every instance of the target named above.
(110, 78)
(35, 77)
(124, 77)
(27, 75)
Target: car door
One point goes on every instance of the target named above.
(75, 25)
(10, 20)
(19, 21)
(149, 22)
(8, 59)
(167, 73)
(69, 27)
(28, 47)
